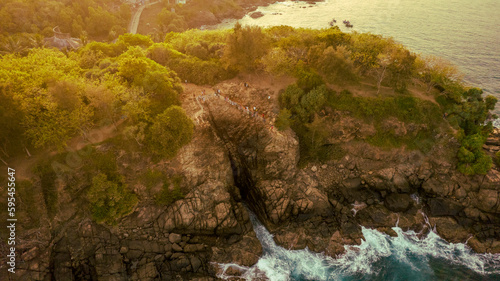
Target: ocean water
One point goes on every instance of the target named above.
(379, 257)
(465, 32)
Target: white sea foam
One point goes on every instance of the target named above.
(407, 249)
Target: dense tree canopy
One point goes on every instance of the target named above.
(171, 130)
(57, 95)
(97, 18)
(109, 200)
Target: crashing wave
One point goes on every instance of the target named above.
(379, 257)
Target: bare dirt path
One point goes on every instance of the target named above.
(24, 164)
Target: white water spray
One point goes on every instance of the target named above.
(368, 261)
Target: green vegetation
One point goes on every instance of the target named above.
(151, 177)
(169, 194)
(425, 115)
(244, 47)
(24, 21)
(51, 97)
(469, 111)
(110, 200)
(170, 131)
(283, 120)
(100, 162)
(47, 97)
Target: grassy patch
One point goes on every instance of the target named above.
(406, 109)
(171, 192)
(151, 177)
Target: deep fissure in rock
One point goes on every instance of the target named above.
(242, 176)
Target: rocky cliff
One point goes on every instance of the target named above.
(236, 162)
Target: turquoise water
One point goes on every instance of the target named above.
(465, 32)
(379, 257)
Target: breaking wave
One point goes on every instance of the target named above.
(379, 257)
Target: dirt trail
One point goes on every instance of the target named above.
(369, 89)
(24, 164)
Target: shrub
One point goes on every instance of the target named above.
(140, 40)
(102, 162)
(109, 200)
(244, 47)
(307, 78)
(151, 178)
(283, 119)
(471, 157)
(171, 130)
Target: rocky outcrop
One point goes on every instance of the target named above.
(256, 15)
(237, 162)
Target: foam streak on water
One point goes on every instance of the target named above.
(379, 257)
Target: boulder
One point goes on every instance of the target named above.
(443, 207)
(376, 216)
(397, 202)
(449, 229)
(174, 238)
(256, 15)
(488, 200)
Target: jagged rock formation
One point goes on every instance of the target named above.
(235, 162)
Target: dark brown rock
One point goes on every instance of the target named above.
(444, 207)
(449, 229)
(397, 202)
(376, 216)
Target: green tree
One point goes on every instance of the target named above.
(312, 102)
(291, 97)
(244, 47)
(307, 78)
(401, 68)
(334, 63)
(170, 130)
(437, 71)
(472, 159)
(109, 201)
(278, 62)
(140, 40)
(318, 132)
